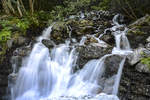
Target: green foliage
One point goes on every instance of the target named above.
(5, 34)
(146, 61)
(103, 5)
(3, 52)
(23, 25)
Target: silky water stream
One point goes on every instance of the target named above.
(49, 75)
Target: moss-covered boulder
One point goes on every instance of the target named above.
(59, 32)
(139, 31)
(81, 27)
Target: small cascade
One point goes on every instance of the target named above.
(50, 75)
(122, 43)
(46, 33)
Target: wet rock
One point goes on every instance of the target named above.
(136, 56)
(142, 21)
(108, 85)
(139, 31)
(90, 39)
(108, 38)
(92, 51)
(99, 15)
(139, 59)
(112, 64)
(22, 51)
(103, 96)
(59, 32)
(81, 27)
(142, 68)
(48, 43)
(134, 85)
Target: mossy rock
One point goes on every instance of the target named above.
(59, 32)
(146, 61)
(81, 27)
(84, 22)
(59, 26)
(139, 31)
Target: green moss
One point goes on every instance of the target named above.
(146, 61)
(23, 25)
(105, 4)
(135, 32)
(5, 34)
(83, 23)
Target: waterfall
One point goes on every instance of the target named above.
(49, 75)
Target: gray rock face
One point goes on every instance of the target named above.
(136, 56)
(91, 51)
(142, 68)
(108, 38)
(139, 31)
(112, 64)
(134, 85)
(48, 43)
(111, 68)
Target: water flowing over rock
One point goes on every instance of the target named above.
(135, 79)
(48, 74)
(48, 43)
(92, 51)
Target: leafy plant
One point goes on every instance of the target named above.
(5, 34)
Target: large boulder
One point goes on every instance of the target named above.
(92, 51)
(112, 64)
(139, 31)
(48, 43)
(59, 32)
(81, 27)
(136, 56)
(140, 59)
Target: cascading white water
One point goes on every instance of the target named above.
(48, 76)
(122, 43)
